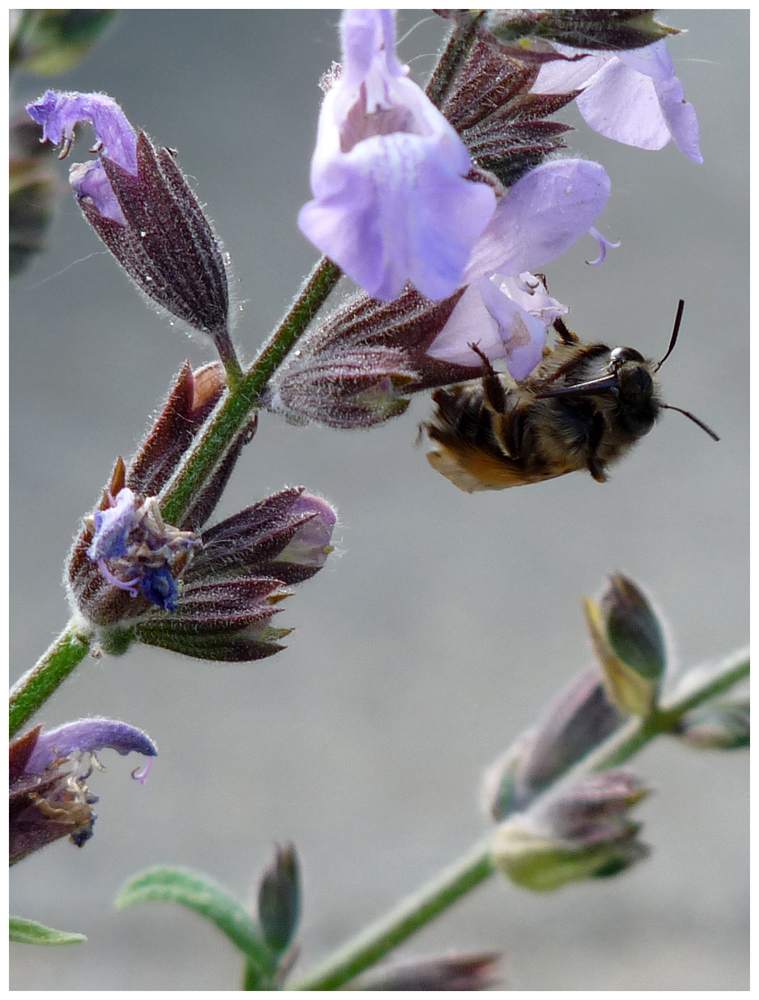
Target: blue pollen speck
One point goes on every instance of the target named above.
(160, 587)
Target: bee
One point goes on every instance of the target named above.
(583, 407)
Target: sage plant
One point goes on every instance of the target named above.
(444, 205)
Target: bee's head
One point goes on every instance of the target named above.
(631, 379)
(630, 376)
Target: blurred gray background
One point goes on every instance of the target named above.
(447, 621)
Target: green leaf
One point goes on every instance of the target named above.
(54, 41)
(30, 932)
(176, 885)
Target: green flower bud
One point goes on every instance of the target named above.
(718, 726)
(583, 29)
(279, 898)
(580, 833)
(628, 641)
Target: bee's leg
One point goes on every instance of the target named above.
(491, 383)
(596, 467)
(565, 334)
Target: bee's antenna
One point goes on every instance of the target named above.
(690, 416)
(673, 341)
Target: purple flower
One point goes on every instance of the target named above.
(140, 205)
(210, 595)
(49, 800)
(59, 114)
(136, 552)
(391, 202)
(506, 310)
(632, 96)
(87, 736)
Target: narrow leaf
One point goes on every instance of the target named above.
(176, 885)
(30, 932)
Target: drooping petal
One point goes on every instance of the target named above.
(388, 173)
(543, 215)
(87, 736)
(632, 96)
(622, 104)
(60, 113)
(679, 115)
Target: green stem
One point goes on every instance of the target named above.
(441, 892)
(409, 917)
(234, 412)
(38, 684)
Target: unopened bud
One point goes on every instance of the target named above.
(358, 367)
(137, 200)
(455, 973)
(577, 721)
(581, 832)
(279, 898)
(582, 29)
(717, 726)
(628, 641)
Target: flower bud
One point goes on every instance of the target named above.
(579, 719)
(279, 898)
(578, 833)
(48, 801)
(356, 368)
(584, 29)
(628, 641)
(138, 202)
(455, 973)
(719, 725)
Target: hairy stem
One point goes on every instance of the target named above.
(441, 892)
(38, 684)
(221, 431)
(235, 410)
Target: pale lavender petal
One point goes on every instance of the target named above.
(311, 543)
(391, 204)
(469, 323)
(632, 96)
(87, 736)
(504, 319)
(561, 76)
(531, 294)
(622, 104)
(679, 115)
(523, 336)
(544, 214)
(89, 180)
(400, 214)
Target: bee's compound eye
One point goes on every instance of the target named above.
(621, 354)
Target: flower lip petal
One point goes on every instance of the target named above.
(86, 736)
(544, 214)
